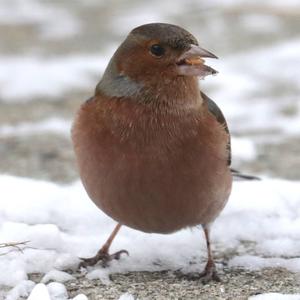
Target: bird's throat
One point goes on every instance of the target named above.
(175, 94)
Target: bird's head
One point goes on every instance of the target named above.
(156, 52)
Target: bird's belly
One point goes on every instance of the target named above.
(161, 193)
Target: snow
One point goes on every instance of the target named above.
(53, 21)
(51, 291)
(127, 296)
(39, 292)
(261, 23)
(50, 125)
(58, 220)
(255, 263)
(56, 275)
(253, 72)
(101, 274)
(80, 297)
(23, 78)
(22, 289)
(294, 4)
(275, 296)
(242, 148)
(57, 291)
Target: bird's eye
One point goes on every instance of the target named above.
(157, 50)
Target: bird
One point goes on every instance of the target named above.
(153, 151)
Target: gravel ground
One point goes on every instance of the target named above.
(236, 284)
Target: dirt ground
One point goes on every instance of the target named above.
(236, 284)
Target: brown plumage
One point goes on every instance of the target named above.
(151, 149)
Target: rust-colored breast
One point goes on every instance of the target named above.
(152, 171)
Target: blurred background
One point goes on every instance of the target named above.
(53, 53)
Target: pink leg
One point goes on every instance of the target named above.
(103, 254)
(209, 273)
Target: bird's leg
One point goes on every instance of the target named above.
(103, 255)
(209, 273)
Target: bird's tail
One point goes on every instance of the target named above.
(237, 175)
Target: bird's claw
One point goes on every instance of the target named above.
(102, 256)
(209, 274)
(118, 254)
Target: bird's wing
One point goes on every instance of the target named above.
(217, 113)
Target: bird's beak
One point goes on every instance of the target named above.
(191, 62)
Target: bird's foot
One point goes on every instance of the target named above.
(205, 277)
(102, 256)
(209, 274)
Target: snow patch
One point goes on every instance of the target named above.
(57, 291)
(54, 22)
(245, 78)
(22, 289)
(39, 292)
(24, 78)
(51, 125)
(275, 296)
(80, 297)
(56, 275)
(101, 274)
(254, 263)
(243, 149)
(62, 224)
(127, 296)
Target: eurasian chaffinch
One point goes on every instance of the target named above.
(153, 151)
